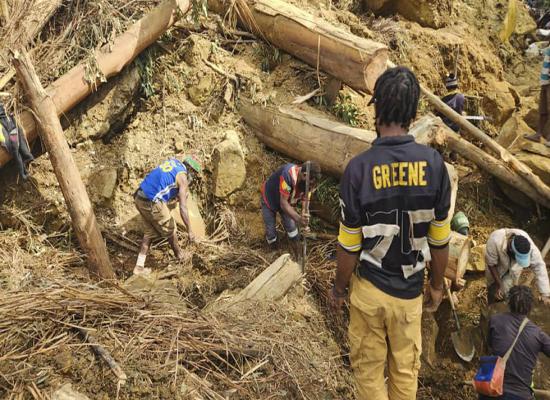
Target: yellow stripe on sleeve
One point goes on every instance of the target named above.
(439, 233)
(350, 238)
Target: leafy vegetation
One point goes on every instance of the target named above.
(345, 109)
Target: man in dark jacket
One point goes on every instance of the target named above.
(15, 143)
(453, 99)
(503, 329)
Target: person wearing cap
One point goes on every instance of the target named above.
(507, 254)
(280, 193)
(453, 99)
(168, 182)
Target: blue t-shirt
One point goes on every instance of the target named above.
(160, 184)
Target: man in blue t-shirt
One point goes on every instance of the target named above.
(281, 192)
(169, 181)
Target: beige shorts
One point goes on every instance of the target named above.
(157, 220)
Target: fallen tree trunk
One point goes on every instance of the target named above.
(507, 158)
(72, 88)
(306, 136)
(356, 61)
(489, 164)
(78, 203)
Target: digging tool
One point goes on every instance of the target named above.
(305, 212)
(477, 118)
(462, 342)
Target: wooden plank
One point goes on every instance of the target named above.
(195, 218)
(273, 283)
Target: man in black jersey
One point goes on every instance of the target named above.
(394, 200)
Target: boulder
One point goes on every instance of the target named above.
(539, 164)
(525, 23)
(376, 5)
(66, 392)
(512, 132)
(199, 93)
(103, 184)
(530, 111)
(229, 166)
(428, 13)
(497, 101)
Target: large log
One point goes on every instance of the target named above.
(74, 191)
(306, 136)
(73, 87)
(509, 161)
(356, 61)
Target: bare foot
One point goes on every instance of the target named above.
(141, 271)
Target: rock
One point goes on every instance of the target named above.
(428, 13)
(103, 184)
(66, 392)
(497, 101)
(198, 49)
(180, 145)
(530, 111)
(539, 164)
(376, 5)
(512, 132)
(477, 259)
(200, 92)
(229, 166)
(105, 112)
(525, 23)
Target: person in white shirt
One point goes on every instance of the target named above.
(508, 253)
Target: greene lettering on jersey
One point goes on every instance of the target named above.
(394, 202)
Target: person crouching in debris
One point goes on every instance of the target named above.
(395, 199)
(281, 192)
(170, 180)
(507, 254)
(503, 329)
(15, 143)
(453, 99)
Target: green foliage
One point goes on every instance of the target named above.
(146, 67)
(345, 109)
(328, 193)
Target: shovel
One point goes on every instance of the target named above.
(462, 341)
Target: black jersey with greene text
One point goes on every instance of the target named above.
(394, 199)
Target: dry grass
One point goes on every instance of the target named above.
(259, 352)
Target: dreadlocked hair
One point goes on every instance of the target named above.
(396, 95)
(520, 300)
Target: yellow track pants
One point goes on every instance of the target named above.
(384, 329)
